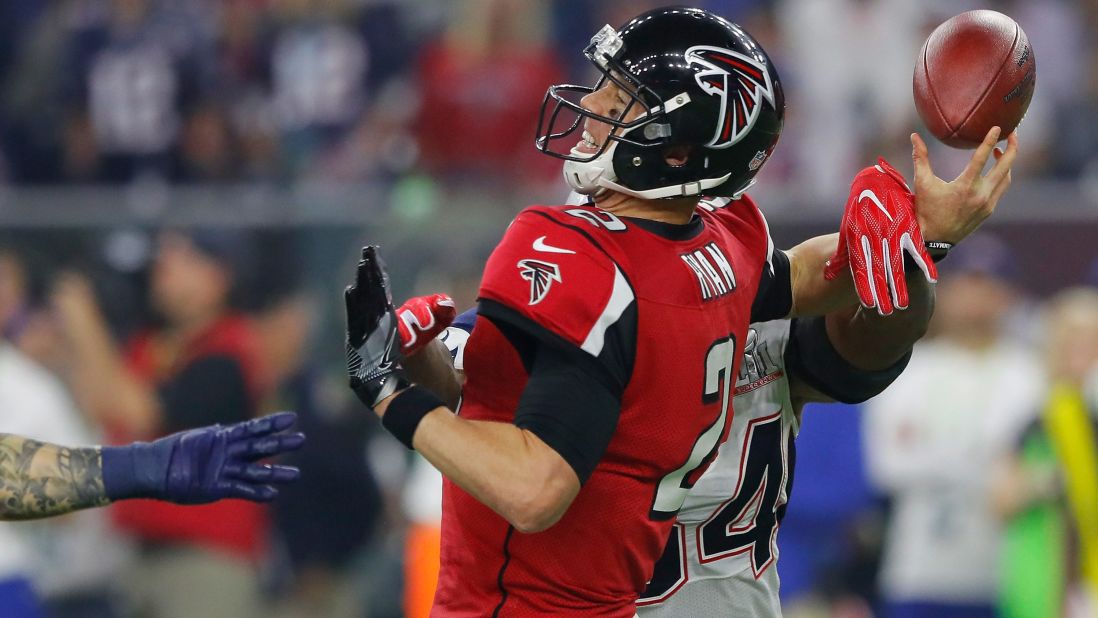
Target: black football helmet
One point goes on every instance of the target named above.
(704, 86)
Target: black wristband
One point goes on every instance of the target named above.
(937, 249)
(407, 409)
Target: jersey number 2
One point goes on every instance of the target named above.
(672, 489)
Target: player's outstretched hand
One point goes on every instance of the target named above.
(950, 211)
(373, 347)
(879, 227)
(206, 464)
(422, 318)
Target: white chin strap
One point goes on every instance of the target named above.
(597, 176)
(588, 177)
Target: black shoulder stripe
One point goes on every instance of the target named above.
(504, 316)
(774, 295)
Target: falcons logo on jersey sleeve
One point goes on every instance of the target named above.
(741, 82)
(541, 275)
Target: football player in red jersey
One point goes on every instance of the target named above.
(720, 559)
(599, 380)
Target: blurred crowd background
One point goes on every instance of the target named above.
(184, 185)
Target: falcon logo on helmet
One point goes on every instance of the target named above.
(742, 83)
(541, 275)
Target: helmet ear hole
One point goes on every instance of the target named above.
(677, 155)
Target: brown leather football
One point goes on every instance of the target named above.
(976, 71)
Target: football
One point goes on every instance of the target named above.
(975, 71)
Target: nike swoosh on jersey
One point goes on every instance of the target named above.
(873, 198)
(539, 245)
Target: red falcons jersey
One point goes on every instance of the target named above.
(665, 309)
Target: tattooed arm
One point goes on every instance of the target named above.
(190, 467)
(41, 480)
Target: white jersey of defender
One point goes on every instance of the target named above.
(722, 554)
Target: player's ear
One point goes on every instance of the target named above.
(677, 155)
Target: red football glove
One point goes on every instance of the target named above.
(879, 226)
(422, 318)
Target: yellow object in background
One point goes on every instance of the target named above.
(1067, 421)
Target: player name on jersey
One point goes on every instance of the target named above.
(713, 269)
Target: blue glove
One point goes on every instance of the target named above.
(206, 464)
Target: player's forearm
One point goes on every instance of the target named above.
(103, 386)
(873, 342)
(115, 397)
(433, 368)
(41, 480)
(506, 468)
(813, 294)
(193, 467)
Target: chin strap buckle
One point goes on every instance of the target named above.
(691, 188)
(654, 131)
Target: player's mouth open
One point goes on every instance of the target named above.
(588, 145)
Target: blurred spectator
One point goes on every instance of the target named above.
(23, 323)
(318, 67)
(338, 81)
(13, 292)
(481, 86)
(1057, 33)
(109, 90)
(200, 366)
(340, 490)
(207, 152)
(29, 111)
(241, 104)
(342, 493)
(932, 439)
(1076, 146)
(61, 566)
(1047, 488)
(134, 76)
(846, 65)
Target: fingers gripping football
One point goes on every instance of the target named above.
(879, 227)
(951, 211)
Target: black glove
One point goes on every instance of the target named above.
(373, 345)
